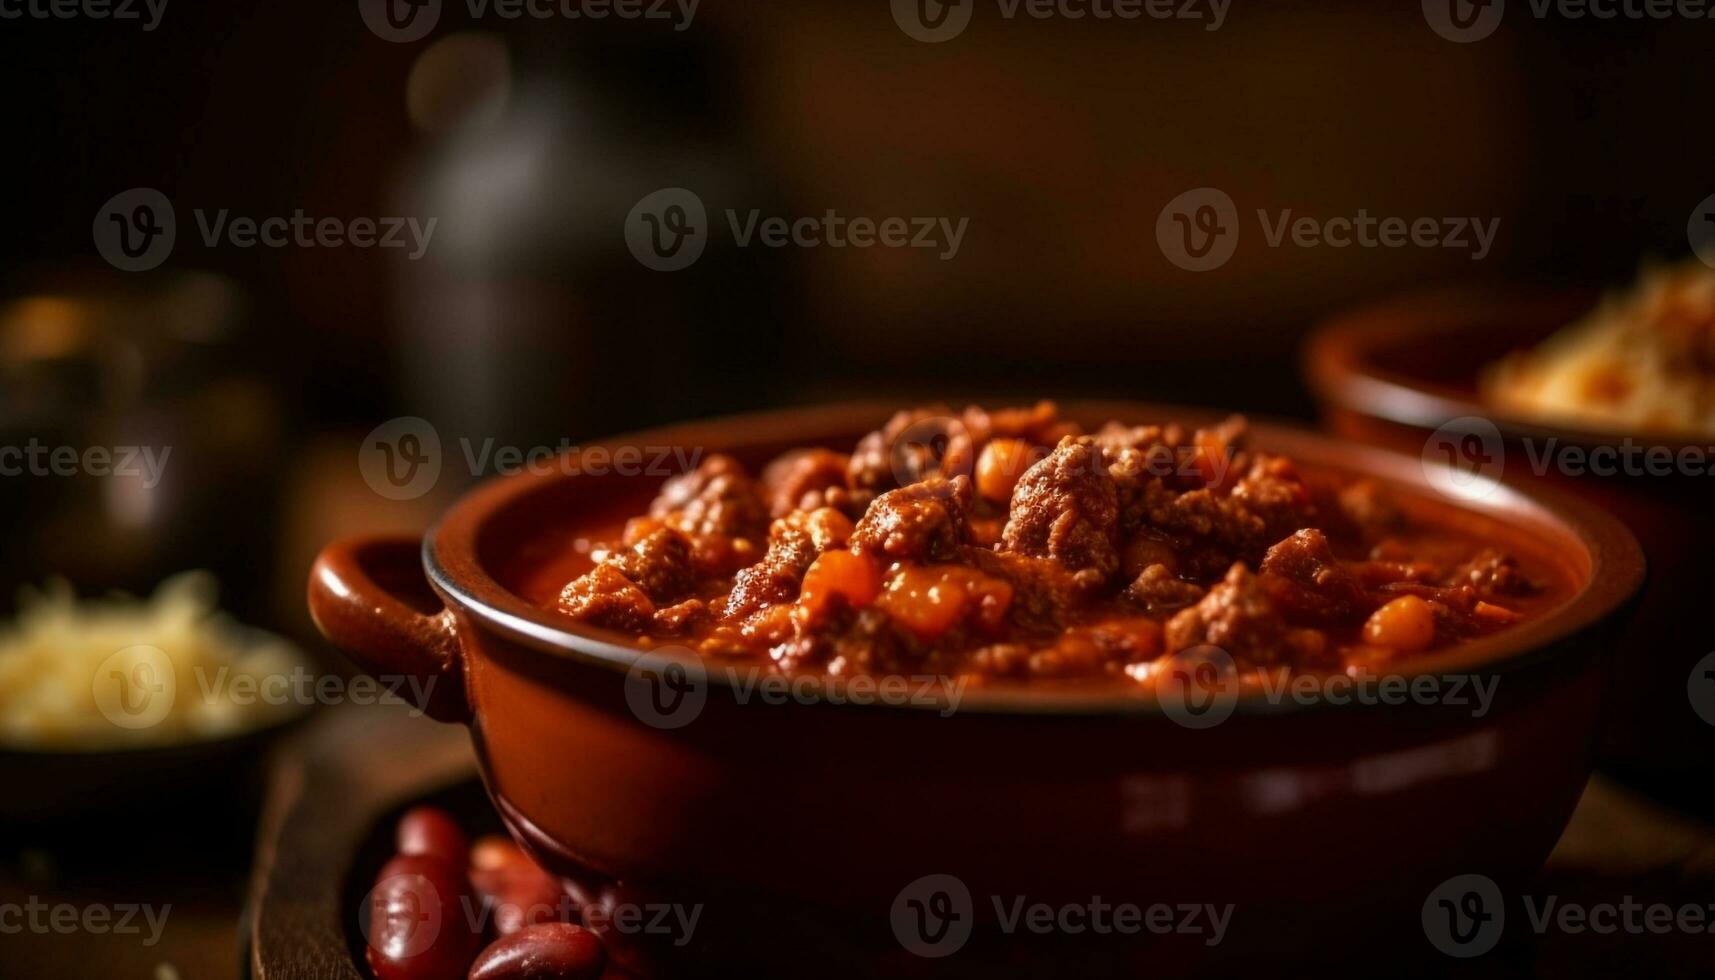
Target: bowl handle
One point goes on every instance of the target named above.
(368, 596)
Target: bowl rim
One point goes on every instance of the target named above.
(1340, 366)
(454, 570)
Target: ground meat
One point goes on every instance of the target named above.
(912, 447)
(923, 522)
(1212, 528)
(797, 475)
(1158, 590)
(864, 641)
(659, 564)
(1066, 507)
(1304, 578)
(794, 541)
(1238, 617)
(1059, 556)
(605, 597)
(717, 497)
(1274, 494)
(681, 617)
(1368, 509)
(1044, 593)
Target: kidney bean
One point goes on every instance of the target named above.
(432, 831)
(519, 893)
(492, 851)
(420, 920)
(546, 951)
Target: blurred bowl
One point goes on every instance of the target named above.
(1403, 374)
(154, 780)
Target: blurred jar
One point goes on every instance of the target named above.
(529, 320)
(133, 444)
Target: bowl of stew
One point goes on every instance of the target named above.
(1552, 387)
(1107, 650)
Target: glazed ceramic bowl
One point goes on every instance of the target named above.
(800, 826)
(1404, 374)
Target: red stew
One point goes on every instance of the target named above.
(1014, 545)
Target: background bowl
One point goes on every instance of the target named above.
(1404, 374)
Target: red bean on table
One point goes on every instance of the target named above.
(548, 951)
(421, 926)
(518, 891)
(432, 831)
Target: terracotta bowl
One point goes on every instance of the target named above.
(799, 826)
(1396, 373)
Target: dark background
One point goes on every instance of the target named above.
(529, 322)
